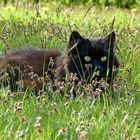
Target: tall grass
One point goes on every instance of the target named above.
(115, 116)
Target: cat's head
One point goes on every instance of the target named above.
(92, 58)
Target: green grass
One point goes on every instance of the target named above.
(115, 116)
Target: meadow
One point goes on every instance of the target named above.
(114, 116)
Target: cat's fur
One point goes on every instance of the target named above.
(84, 57)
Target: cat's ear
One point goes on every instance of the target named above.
(109, 41)
(74, 38)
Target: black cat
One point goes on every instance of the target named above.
(87, 56)
(89, 59)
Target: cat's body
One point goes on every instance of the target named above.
(20, 63)
(84, 57)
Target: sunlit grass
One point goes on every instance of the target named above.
(115, 116)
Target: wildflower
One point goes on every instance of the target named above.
(98, 91)
(62, 132)
(20, 134)
(37, 124)
(10, 133)
(82, 135)
(73, 77)
(103, 84)
(97, 73)
(88, 66)
(17, 106)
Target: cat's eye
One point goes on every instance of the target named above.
(87, 58)
(103, 59)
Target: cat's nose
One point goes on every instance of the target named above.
(97, 65)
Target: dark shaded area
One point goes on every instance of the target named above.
(101, 3)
